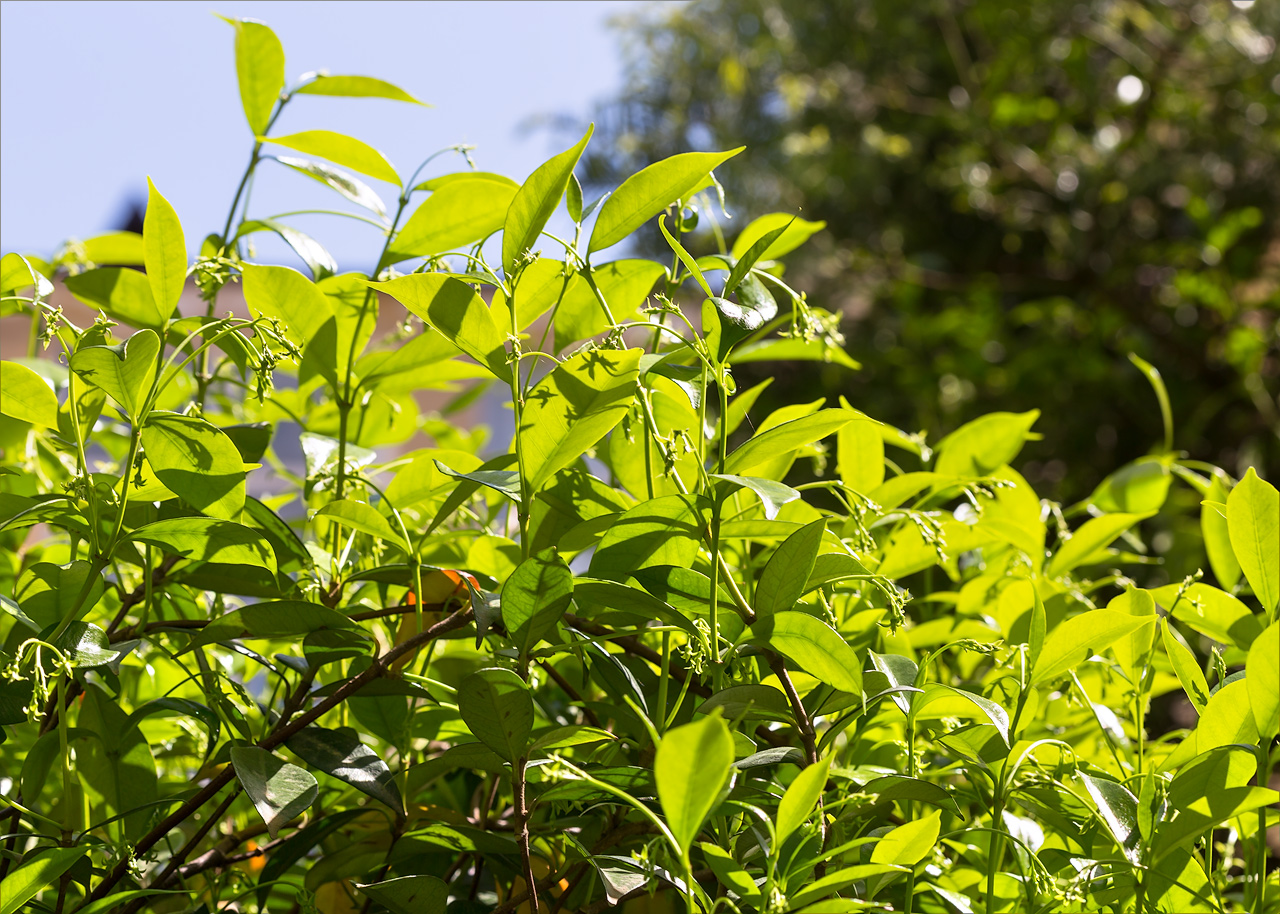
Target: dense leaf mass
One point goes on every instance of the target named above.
(283, 632)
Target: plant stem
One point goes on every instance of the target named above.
(522, 830)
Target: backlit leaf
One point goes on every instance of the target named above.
(534, 203)
(27, 396)
(166, 251)
(497, 708)
(342, 150)
(691, 769)
(1253, 521)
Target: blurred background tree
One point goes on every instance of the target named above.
(1016, 196)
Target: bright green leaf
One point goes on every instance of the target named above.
(691, 769)
(1092, 536)
(260, 69)
(27, 396)
(1079, 638)
(784, 577)
(534, 203)
(341, 150)
(166, 251)
(280, 792)
(815, 647)
(355, 87)
(800, 798)
(1253, 521)
(125, 371)
(535, 597)
(197, 462)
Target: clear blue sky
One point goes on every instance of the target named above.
(96, 96)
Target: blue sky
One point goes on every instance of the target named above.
(96, 96)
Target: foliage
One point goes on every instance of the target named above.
(1015, 196)
(619, 657)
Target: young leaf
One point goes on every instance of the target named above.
(355, 87)
(815, 647)
(341, 754)
(796, 232)
(206, 539)
(365, 518)
(786, 437)
(1093, 535)
(1217, 537)
(860, 455)
(908, 844)
(197, 462)
(457, 312)
(38, 871)
(535, 597)
(784, 577)
(534, 203)
(166, 251)
(285, 294)
(120, 293)
(25, 395)
(497, 708)
(260, 70)
(349, 186)
(341, 150)
(459, 213)
(801, 797)
(573, 407)
(280, 792)
(1077, 639)
(1262, 675)
(1185, 668)
(1253, 521)
(691, 768)
(773, 495)
(125, 372)
(651, 190)
(984, 445)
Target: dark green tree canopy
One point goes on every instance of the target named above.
(1015, 197)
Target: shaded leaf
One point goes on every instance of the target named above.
(280, 792)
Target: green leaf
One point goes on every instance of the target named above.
(661, 531)
(409, 894)
(860, 455)
(691, 769)
(125, 371)
(455, 311)
(121, 294)
(1093, 535)
(1137, 488)
(1217, 538)
(318, 260)
(48, 592)
(197, 462)
(573, 407)
(535, 597)
(1134, 652)
(260, 70)
(341, 754)
(534, 203)
(982, 446)
(793, 349)
(505, 481)
(355, 87)
(1185, 667)
(117, 249)
(497, 708)
(285, 294)
(649, 191)
(1212, 612)
(773, 495)
(341, 150)
(727, 870)
(1152, 374)
(118, 770)
(85, 645)
(280, 792)
(25, 395)
(460, 213)
(349, 186)
(367, 519)
(166, 251)
(784, 577)
(1119, 810)
(1262, 675)
(801, 797)
(38, 871)
(797, 232)
(1227, 718)
(908, 844)
(945, 701)
(815, 646)
(788, 436)
(1077, 639)
(624, 284)
(275, 619)
(1253, 521)
(206, 539)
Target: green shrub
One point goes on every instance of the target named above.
(622, 656)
